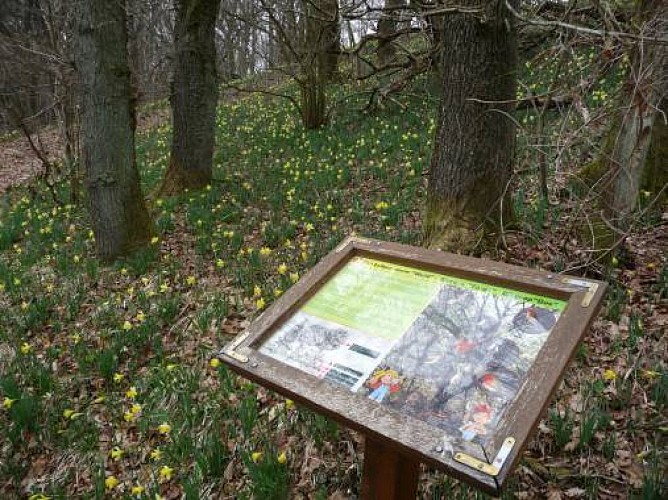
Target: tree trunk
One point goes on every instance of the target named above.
(630, 136)
(435, 30)
(471, 164)
(319, 58)
(329, 30)
(313, 103)
(387, 28)
(194, 97)
(119, 217)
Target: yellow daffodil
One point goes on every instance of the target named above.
(116, 453)
(282, 269)
(7, 403)
(289, 404)
(191, 280)
(137, 490)
(25, 348)
(220, 263)
(166, 472)
(127, 325)
(118, 377)
(99, 399)
(39, 496)
(155, 454)
(259, 303)
(135, 409)
(264, 251)
(164, 287)
(128, 416)
(131, 392)
(68, 413)
(141, 317)
(609, 374)
(164, 428)
(256, 456)
(111, 482)
(155, 240)
(650, 374)
(294, 277)
(214, 363)
(282, 458)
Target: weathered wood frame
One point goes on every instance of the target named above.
(407, 436)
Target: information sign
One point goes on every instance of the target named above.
(444, 359)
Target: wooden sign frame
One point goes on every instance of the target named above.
(399, 437)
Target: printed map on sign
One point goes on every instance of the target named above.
(450, 352)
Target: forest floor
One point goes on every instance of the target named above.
(19, 163)
(109, 383)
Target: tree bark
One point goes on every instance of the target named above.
(387, 28)
(471, 164)
(624, 157)
(325, 32)
(320, 55)
(194, 97)
(119, 217)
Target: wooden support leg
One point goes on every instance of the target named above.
(387, 474)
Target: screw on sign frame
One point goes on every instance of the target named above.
(435, 358)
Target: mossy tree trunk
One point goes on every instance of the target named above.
(194, 97)
(118, 213)
(471, 166)
(632, 134)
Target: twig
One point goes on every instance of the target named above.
(584, 29)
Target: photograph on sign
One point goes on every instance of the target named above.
(448, 351)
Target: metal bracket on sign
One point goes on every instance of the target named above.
(230, 350)
(591, 289)
(494, 468)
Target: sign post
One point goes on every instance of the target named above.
(388, 474)
(434, 358)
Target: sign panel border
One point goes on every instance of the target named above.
(407, 435)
